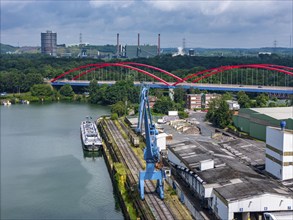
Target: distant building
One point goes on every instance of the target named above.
(191, 52)
(233, 105)
(193, 101)
(206, 98)
(49, 43)
(146, 51)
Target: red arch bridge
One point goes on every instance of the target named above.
(267, 78)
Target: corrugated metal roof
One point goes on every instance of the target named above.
(278, 113)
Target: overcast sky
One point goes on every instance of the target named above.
(209, 24)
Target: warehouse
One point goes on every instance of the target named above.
(253, 121)
(227, 182)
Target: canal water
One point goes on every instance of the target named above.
(44, 172)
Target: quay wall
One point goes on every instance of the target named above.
(111, 156)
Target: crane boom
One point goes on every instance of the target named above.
(151, 152)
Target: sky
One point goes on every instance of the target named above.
(202, 23)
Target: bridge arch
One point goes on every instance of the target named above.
(127, 65)
(196, 77)
(210, 72)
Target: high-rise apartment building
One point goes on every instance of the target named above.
(49, 43)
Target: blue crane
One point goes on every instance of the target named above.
(151, 152)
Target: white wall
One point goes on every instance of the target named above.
(161, 141)
(263, 203)
(283, 141)
(174, 159)
(288, 141)
(273, 168)
(274, 138)
(287, 172)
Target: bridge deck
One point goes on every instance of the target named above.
(201, 86)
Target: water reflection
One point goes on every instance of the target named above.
(92, 154)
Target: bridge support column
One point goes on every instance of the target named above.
(171, 94)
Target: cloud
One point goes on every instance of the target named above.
(115, 4)
(202, 23)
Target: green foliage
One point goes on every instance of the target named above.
(95, 96)
(121, 91)
(42, 90)
(272, 104)
(227, 96)
(219, 113)
(114, 116)
(179, 95)
(243, 100)
(18, 73)
(262, 100)
(183, 114)
(164, 105)
(119, 108)
(66, 91)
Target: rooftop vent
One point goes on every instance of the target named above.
(206, 164)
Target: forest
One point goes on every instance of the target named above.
(18, 73)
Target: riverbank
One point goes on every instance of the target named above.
(26, 98)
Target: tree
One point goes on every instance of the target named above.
(66, 91)
(243, 100)
(179, 95)
(223, 116)
(261, 100)
(272, 104)
(41, 90)
(219, 113)
(122, 91)
(182, 114)
(119, 108)
(227, 96)
(93, 90)
(164, 105)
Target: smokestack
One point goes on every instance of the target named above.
(118, 51)
(138, 43)
(159, 43)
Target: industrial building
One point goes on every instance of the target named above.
(226, 180)
(254, 120)
(136, 51)
(196, 101)
(49, 43)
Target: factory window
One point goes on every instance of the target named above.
(288, 153)
(287, 163)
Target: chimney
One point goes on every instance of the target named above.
(118, 50)
(138, 43)
(159, 43)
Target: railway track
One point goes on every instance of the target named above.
(173, 205)
(159, 209)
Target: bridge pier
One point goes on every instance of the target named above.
(171, 94)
